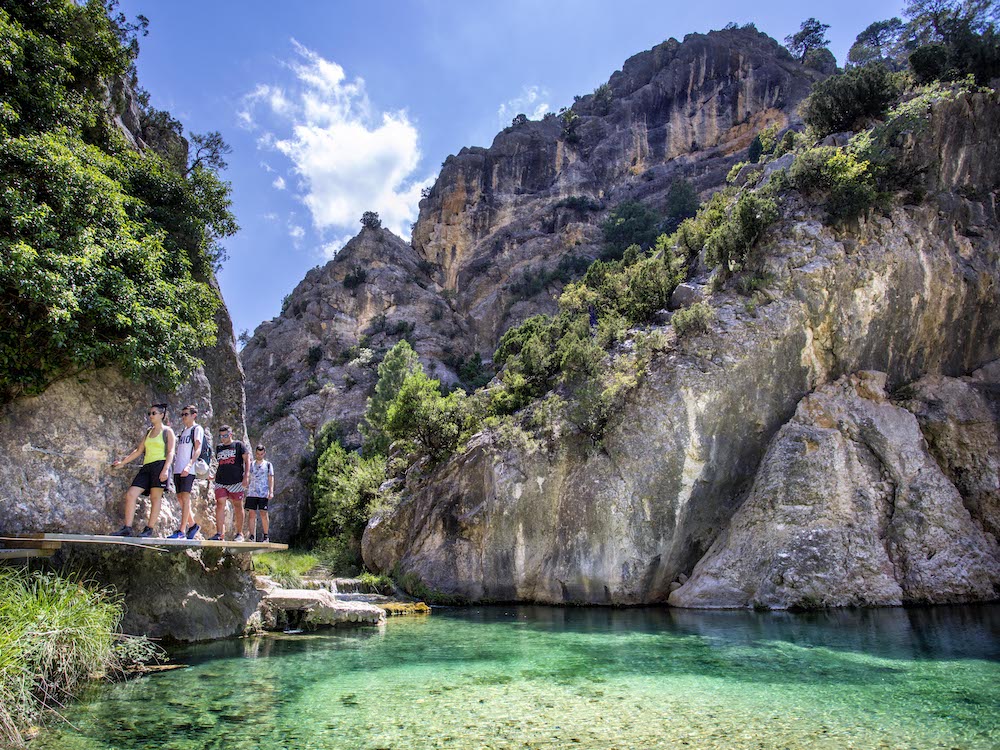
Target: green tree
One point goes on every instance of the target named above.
(845, 102)
(421, 416)
(630, 223)
(399, 362)
(755, 150)
(810, 36)
(682, 203)
(880, 41)
(105, 253)
(371, 220)
(345, 491)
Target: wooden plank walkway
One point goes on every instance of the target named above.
(47, 543)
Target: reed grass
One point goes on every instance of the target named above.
(55, 634)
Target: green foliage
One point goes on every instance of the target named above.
(880, 42)
(570, 122)
(821, 60)
(532, 281)
(419, 416)
(580, 203)
(755, 150)
(55, 634)
(398, 362)
(287, 567)
(345, 492)
(693, 319)
(810, 36)
(105, 253)
(355, 277)
(630, 223)
(371, 220)
(847, 181)
(602, 99)
(844, 102)
(380, 584)
(682, 203)
(314, 355)
(730, 244)
(694, 232)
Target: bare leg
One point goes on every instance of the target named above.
(220, 516)
(130, 497)
(237, 515)
(252, 524)
(263, 521)
(155, 497)
(184, 498)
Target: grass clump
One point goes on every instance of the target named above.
(288, 567)
(55, 634)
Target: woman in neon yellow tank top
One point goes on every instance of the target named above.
(156, 446)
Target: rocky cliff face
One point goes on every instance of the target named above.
(910, 294)
(850, 508)
(56, 448)
(679, 110)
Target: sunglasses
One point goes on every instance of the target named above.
(186, 413)
(260, 450)
(152, 413)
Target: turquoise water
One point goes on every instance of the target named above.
(537, 677)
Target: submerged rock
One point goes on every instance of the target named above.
(849, 508)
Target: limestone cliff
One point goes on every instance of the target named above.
(911, 293)
(679, 110)
(317, 361)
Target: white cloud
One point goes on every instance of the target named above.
(279, 183)
(348, 158)
(271, 216)
(296, 232)
(266, 167)
(330, 249)
(533, 101)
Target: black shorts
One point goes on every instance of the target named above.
(149, 477)
(183, 484)
(255, 503)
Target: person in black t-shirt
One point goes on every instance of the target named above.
(231, 477)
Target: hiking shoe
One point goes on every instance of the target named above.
(238, 538)
(177, 535)
(193, 531)
(216, 538)
(147, 533)
(264, 539)
(123, 531)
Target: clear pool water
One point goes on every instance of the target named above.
(538, 677)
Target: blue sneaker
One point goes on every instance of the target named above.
(216, 538)
(123, 531)
(146, 533)
(177, 535)
(193, 531)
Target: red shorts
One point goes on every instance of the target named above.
(221, 493)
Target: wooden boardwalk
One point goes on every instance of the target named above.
(44, 545)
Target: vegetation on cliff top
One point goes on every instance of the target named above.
(106, 253)
(55, 634)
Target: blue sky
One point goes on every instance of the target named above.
(333, 108)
